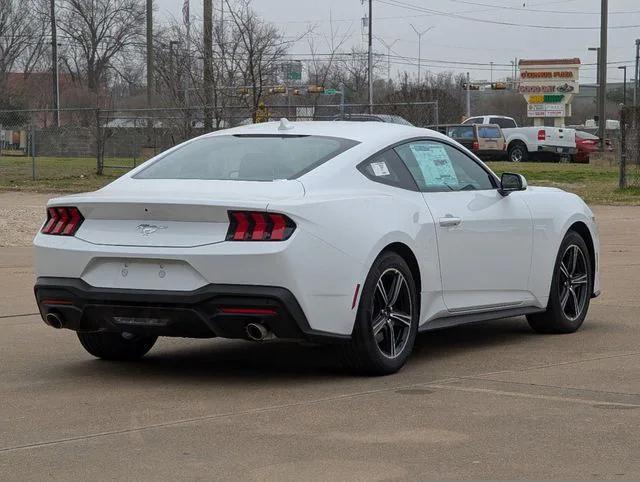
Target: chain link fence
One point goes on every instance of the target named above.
(38, 145)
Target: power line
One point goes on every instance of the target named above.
(416, 8)
(525, 9)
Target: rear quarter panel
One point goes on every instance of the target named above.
(360, 218)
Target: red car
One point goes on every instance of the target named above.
(586, 144)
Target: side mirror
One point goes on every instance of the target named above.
(511, 182)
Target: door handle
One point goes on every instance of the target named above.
(450, 221)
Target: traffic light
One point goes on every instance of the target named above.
(499, 86)
(316, 89)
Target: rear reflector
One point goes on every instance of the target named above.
(248, 311)
(259, 226)
(62, 221)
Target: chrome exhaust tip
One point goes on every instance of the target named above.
(258, 332)
(53, 320)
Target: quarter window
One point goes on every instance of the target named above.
(388, 168)
(438, 167)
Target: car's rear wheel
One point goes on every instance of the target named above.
(517, 152)
(116, 346)
(387, 318)
(571, 289)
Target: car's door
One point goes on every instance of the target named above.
(484, 238)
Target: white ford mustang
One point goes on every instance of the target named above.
(355, 233)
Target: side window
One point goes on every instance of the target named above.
(502, 122)
(388, 168)
(489, 132)
(438, 167)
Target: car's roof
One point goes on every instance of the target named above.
(374, 132)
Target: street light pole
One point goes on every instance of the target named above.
(624, 89)
(419, 34)
(388, 47)
(54, 65)
(370, 60)
(468, 95)
(597, 51)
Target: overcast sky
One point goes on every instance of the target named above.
(465, 37)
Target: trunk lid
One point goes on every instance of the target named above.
(170, 213)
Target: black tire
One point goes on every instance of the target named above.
(364, 353)
(561, 315)
(114, 346)
(518, 152)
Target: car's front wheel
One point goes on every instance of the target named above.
(116, 346)
(571, 289)
(387, 318)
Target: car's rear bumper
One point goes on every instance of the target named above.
(212, 310)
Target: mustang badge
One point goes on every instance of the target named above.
(148, 229)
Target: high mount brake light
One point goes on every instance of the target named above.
(62, 221)
(259, 226)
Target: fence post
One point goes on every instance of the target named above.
(623, 147)
(99, 160)
(32, 135)
(437, 114)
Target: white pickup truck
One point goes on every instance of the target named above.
(523, 143)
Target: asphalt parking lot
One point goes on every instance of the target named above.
(483, 401)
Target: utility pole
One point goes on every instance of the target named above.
(468, 95)
(150, 53)
(491, 63)
(54, 66)
(604, 25)
(370, 60)
(419, 34)
(208, 67)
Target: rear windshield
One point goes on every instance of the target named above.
(461, 132)
(485, 132)
(247, 158)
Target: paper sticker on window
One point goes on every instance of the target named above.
(434, 164)
(380, 168)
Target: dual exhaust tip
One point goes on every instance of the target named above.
(255, 331)
(258, 332)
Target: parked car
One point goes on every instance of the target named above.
(536, 143)
(358, 234)
(484, 140)
(389, 118)
(586, 144)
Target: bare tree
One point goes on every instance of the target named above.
(99, 31)
(22, 36)
(262, 47)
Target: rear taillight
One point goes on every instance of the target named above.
(475, 146)
(542, 135)
(62, 221)
(259, 226)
